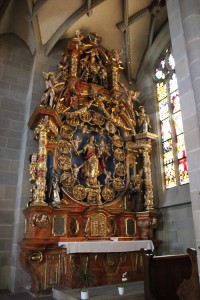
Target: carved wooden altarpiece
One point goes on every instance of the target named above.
(91, 177)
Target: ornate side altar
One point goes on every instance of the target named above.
(91, 177)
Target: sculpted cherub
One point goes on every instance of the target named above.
(75, 170)
(108, 177)
(76, 142)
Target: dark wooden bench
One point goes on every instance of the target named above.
(171, 277)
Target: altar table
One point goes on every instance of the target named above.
(102, 246)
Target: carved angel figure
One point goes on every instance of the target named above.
(131, 95)
(49, 94)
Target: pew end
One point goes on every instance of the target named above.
(173, 277)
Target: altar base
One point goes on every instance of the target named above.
(106, 261)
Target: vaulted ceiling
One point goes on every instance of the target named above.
(131, 25)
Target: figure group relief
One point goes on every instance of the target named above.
(98, 115)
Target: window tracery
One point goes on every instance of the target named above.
(171, 125)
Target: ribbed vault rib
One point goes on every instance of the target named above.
(36, 9)
(68, 23)
(89, 2)
(151, 30)
(5, 8)
(126, 40)
(132, 19)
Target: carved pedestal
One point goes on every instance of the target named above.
(44, 264)
(50, 265)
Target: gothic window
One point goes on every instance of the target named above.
(171, 127)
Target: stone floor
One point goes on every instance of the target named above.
(133, 291)
(23, 295)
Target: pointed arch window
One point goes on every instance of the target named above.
(171, 127)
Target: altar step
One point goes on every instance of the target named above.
(133, 291)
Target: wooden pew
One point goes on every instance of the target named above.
(171, 277)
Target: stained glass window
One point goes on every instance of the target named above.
(171, 125)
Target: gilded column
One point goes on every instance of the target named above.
(115, 78)
(45, 123)
(40, 183)
(148, 181)
(74, 62)
(143, 145)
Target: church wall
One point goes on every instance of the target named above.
(15, 68)
(42, 63)
(185, 30)
(176, 229)
(21, 87)
(174, 204)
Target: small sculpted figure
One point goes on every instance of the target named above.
(48, 98)
(78, 39)
(143, 120)
(54, 191)
(33, 167)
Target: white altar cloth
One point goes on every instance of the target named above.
(106, 246)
